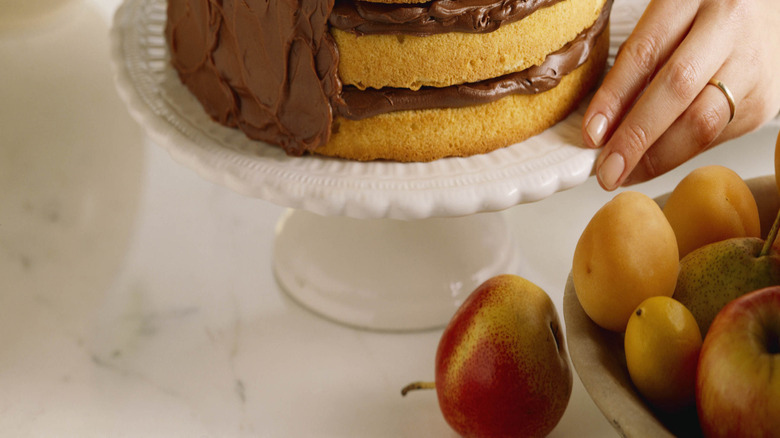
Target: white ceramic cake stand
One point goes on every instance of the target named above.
(379, 245)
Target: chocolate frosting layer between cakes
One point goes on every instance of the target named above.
(271, 68)
(437, 16)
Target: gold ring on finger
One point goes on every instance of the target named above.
(729, 97)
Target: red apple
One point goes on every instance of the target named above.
(738, 377)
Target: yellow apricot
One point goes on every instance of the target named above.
(626, 254)
(711, 204)
(662, 345)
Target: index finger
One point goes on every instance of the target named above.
(650, 44)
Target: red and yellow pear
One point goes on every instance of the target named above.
(501, 366)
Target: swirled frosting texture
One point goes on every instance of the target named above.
(267, 67)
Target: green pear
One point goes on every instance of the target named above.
(712, 276)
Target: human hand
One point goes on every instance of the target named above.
(655, 108)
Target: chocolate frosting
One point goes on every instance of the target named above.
(267, 67)
(359, 104)
(437, 16)
(270, 68)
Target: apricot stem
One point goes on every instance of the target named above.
(417, 385)
(770, 238)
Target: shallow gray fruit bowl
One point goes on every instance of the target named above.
(599, 359)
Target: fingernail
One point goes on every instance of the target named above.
(597, 128)
(611, 169)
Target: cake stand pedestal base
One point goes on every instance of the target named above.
(386, 274)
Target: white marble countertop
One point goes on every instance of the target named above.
(138, 299)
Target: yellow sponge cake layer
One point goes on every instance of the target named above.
(406, 61)
(426, 135)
